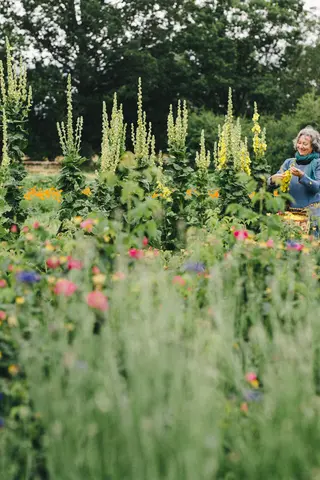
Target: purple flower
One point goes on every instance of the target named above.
(252, 395)
(197, 267)
(81, 365)
(291, 245)
(28, 277)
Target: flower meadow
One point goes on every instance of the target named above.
(158, 320)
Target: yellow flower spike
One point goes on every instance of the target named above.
(107, 238)
(77, 220)
(20, 300)
(285, 184)
(63, 259)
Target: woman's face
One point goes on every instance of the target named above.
(304, 146)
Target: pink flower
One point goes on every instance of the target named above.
(97, 300)
(3, 283)
(65, 287)
(118, 276)
(14, 229)
(25, 229)
(244, 407)
(87, 225)
(251, 377)
(145, 241)
(36, 225)
(270, 243)
(3, 315)
(74, 264)
(135, 253)
(240, 234)
(178, 280)
(53, 262)
(95, 270)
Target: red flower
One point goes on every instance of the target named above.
(3, 315)
(14, 229)
(241, 234)
(97, 300)
(270, 243)
(65, 287)
(53, 262)
(3, 283)
(178, 280)
(74, 264)
(145, 241)
(25, 229)
(95, 270)
(36, 225)
(135, 253)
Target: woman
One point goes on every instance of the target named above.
(304, 186)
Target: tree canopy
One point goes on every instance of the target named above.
(184, 49)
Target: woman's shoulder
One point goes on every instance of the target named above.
(288, 161)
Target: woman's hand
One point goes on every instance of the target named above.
(296, 172)
(277, 178)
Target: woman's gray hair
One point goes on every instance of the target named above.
(313, 134)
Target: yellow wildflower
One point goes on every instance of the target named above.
(214, 194)
(43, 194)
(86, 191)
(99, 279)
(49, 247)
(13, 370)
(20, 300)
(12, 321)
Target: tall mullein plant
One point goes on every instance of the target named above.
(232, 161)
(5, 208)
(260, 168)
(144, 170)
(201, 199)
(15, 105)
(178, 175)
(141, 135)
(112, 150)
(71, 179)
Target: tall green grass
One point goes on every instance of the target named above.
(159, 392)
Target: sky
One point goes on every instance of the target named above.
(313, 3)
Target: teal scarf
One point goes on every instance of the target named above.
(311, 161)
